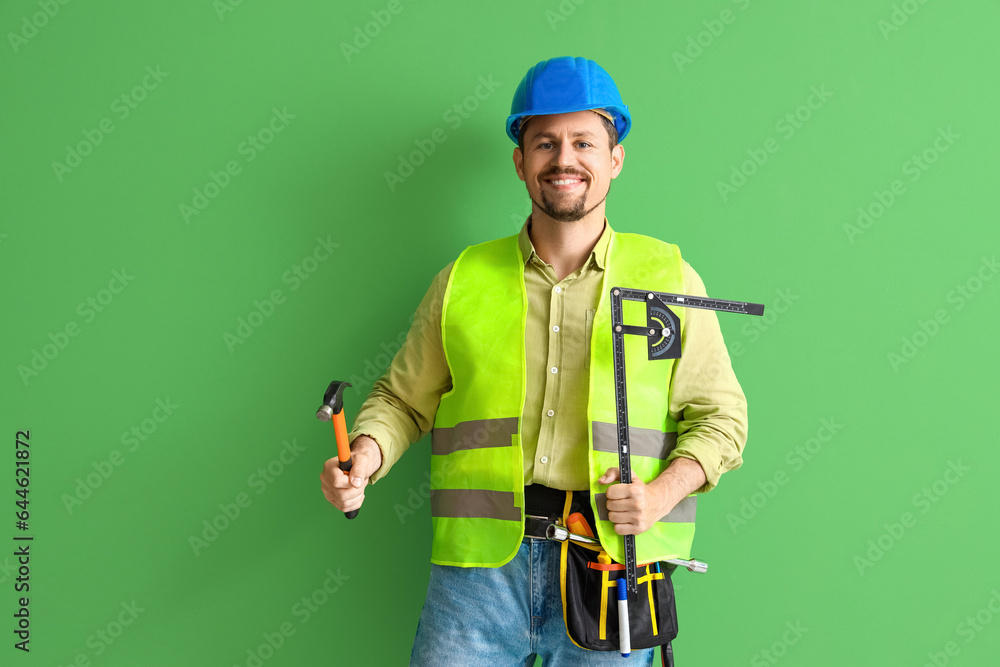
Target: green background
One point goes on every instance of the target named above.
(896, 76)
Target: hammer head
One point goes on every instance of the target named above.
(333, 400)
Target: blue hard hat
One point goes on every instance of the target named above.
(565, 85)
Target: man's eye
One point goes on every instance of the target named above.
(585, 144)
(544, 144)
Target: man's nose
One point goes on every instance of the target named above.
(564, 155)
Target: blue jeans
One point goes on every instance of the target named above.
(503, 617)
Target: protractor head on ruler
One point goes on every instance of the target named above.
(665, 343)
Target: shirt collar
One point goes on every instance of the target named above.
(598, 254)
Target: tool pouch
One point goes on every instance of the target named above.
(587, 579)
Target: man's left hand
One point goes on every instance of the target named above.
(635, 507)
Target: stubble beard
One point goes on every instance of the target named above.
(567, 213)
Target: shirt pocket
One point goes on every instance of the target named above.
(589, 330)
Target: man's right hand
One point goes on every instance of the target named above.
(347, 493)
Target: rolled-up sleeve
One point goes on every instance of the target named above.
(706, 399)
(401, 407)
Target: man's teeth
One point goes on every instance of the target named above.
(566, 181)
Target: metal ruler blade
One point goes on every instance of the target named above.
(621, 407)
(687, 301)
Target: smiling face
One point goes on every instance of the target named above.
(567, 164)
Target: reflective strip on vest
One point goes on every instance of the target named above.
(474, 434)
(474, 504)
(683, 512)
(642, 441)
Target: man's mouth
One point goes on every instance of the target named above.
(565, 183)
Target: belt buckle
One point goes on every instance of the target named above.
(537, 518)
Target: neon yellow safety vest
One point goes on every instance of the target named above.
(477, 473)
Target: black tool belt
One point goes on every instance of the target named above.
(588, 577)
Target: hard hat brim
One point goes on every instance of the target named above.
(623, 120)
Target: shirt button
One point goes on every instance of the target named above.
(558, 289)
(556, 328)
(550, 413)
(554, 370)
(544, 459)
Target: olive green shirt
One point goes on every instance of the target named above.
(706, 399)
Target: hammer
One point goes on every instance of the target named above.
(333, 410)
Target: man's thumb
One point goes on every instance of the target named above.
(362, 467)
(612, 475)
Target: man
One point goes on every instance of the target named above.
(507, 363)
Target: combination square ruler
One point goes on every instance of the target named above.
(662, 332)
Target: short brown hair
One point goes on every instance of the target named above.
(608, 125)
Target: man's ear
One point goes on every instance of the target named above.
(617, 160)
(518, 162)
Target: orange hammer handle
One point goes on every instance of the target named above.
(343, 449)
(343, 444)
